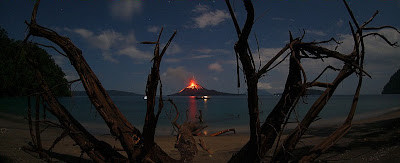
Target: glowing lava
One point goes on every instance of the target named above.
(193, 85)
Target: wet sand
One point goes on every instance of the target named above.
(373, 139)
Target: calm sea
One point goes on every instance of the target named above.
(219, 112)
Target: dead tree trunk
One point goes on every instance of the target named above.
(295, 88)
(97, 150)
(353, 62)
(153, 79)
(262, 139)
(243, 51)
(38, 144)
(124, 131)
(290, 142)
(272, 125)
(30, 121)
(137, 146)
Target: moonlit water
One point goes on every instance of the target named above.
(219, 112)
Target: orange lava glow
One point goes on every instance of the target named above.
(193, 85)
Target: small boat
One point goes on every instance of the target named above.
(145, 98)
(202, 97)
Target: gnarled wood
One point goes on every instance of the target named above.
(119, 126)
(97, 150)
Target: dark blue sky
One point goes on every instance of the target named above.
(108, 33)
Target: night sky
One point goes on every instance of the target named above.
(108, 33)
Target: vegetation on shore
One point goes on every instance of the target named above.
(393, 86)
(17, 77)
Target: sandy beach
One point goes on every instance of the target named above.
(372, 139)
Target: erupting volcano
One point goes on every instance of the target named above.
(193, 85)
(194, 89)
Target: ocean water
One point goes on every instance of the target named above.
(219, 112)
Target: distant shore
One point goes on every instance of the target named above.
(372, 138)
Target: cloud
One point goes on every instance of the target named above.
(267, 54)
(202, 56)
(265, 86)
(316, 32)
(208, 53)
(173, 48)
(379, 56)
(208, 17)
(175, 78)
(71, 75)
(103, 40)
(125, 9)
(201, 8)
(134, 53)
(59, 59)
(179, 73)
(381, 61)
(215, 67)
(113, 43)
(172, 60)
(83, 32)
(213, 51)
(107, 39)
(153, 29)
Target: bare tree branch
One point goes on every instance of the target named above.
(323, 71)
(369, 20)
(320, 84)
(383, 37)
(271, 61)
(116, 121)
(382, 27)
(49, 46)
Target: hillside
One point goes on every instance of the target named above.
(17, 75)
(393, 86)
(197, 90)
(262, 92)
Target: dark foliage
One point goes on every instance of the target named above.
(393, 86)
(17, 77)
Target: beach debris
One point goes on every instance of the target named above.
(58, 139)
(3, 130)
(204, 147)
(223, 132)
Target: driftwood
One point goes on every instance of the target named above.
(223, 132)
(118, 124)
(204, 147)
(38, 144)
(97, 150)
(185, 143)
(30, 121)
(138, 147)
(262, 138)
(34, 130)
(142, 148)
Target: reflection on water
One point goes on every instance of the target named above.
(196, 108)
(219, 112)
(192, 109)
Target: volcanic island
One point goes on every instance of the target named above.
(195, 89)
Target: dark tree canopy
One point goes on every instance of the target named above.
(17, 77)
(393, 86)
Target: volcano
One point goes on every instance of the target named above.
(195, 89)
